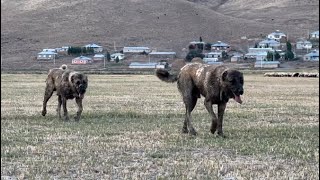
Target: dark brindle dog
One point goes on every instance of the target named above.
(216, 83)
(68, 85)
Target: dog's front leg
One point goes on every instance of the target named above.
(65, 111)
(59, 106)
(208, 105)
(79, 103)
(221, 109)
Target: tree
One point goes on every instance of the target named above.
(224, 55)
(117, 59)
(289, 46)
(269, 56)
(207, 46)
(192, 54)
(289, 54)
(108, 57)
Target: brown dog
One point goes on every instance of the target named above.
(68, 85)
(216, 83)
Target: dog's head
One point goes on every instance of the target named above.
(79, 82)
(233, 82)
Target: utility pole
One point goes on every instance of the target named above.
(54, 60)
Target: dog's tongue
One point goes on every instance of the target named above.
(238, 99)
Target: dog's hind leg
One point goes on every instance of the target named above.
(79, 103)
(190, 103)
(59, 106)
(47, 95)
(214, 123)
(64, 106)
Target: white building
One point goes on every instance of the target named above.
(114, 56)
(217, 54)
(138, 65)
(276, 35)
(96, 48)
(314, 35)
(136, 49)
(99, 57)
(220, 46)
(303, 44)
(258, 53)
(312, 56)
(47, 55)
(269, 43)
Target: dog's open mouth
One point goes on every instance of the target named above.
(237, 98)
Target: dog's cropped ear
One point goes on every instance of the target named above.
(224, 75)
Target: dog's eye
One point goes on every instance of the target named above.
(78, 82)
(232, 80)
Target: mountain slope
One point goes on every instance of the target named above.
(31, 25)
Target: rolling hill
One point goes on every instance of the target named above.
(31, 25)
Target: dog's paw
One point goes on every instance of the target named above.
(66, 118)
(213, 130)
(221, 135)
(193, 132)
(185, 130)
(44, 112)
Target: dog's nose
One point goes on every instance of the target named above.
(241, 91)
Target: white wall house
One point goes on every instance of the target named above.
(269, 43)
(303, 44)
(314, 35)
(96, 48)
(82, 60)
(312, 56)
(47, 55)
(220, 46)
(98, 57)
(277, 35)
(136, 49)
(114, 56)
(258, 53)
(217, 54)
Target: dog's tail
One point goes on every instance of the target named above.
(164, 75)
(63, 67)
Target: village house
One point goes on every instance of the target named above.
(303, 44)
(96, 48)
(136, 50)
(82, 60)
(277, 35)
(314, 35)
(216, 54)
(269, 43)
(62, 50)
(155, 55)
(98, 57)
(114, 56)
(312, 56)
(138, 65)
(47, 55)
(259, 54)
(220, 46)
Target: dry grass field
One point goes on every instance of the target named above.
(131, 129)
